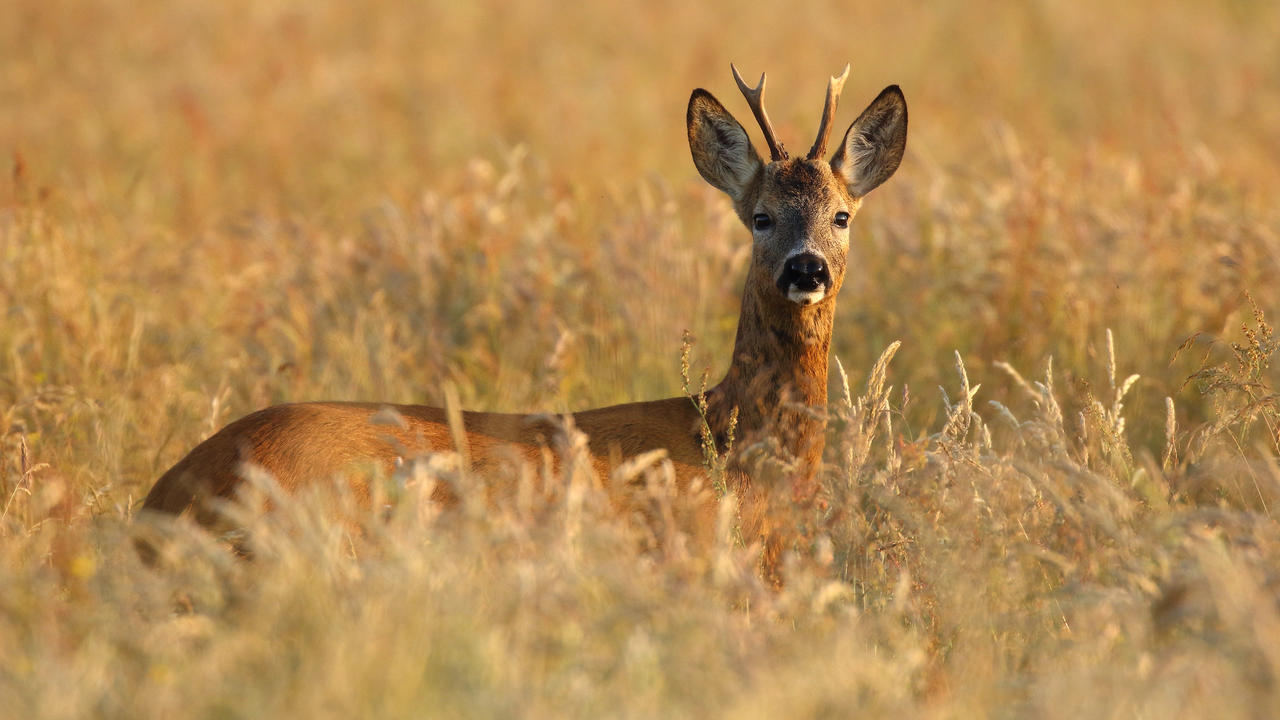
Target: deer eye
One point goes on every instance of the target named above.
(761, 221)
(842, 220)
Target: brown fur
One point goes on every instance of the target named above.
(776, 380)
(308, 442)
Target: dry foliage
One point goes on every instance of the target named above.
(213, 207)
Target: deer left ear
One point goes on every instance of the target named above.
(873, 146)
(721, 149)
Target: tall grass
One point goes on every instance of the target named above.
(211, 208)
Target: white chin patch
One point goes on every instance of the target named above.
(805, 297)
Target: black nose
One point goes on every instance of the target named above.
(805, 272)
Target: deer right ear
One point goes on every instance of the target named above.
(721, 149)
(874, 144)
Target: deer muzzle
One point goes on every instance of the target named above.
(805, 279)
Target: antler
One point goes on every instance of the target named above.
(828, 114)
(755, 98)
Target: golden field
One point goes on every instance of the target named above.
(208, 208)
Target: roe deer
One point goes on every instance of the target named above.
(798, 212)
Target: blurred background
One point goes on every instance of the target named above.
(280, 200)
(295, 100)
(210, 207)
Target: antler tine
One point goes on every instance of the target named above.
(755, 98)
(828, 114)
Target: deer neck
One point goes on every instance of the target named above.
(777, 379)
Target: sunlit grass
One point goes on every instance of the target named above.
(207, 209)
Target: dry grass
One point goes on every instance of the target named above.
(214, 207)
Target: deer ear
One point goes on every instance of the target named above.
(873, 146)
(721, 149)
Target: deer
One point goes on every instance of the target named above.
(770, 403)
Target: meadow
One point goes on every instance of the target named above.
(1054, 450)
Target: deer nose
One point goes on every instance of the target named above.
(805, 272)
(807, 265)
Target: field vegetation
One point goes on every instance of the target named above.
(1053, 471)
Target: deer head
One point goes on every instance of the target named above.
(797, 209)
